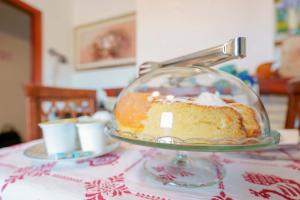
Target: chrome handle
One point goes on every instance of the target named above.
(233, 49)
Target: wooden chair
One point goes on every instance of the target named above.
(46, 103)
(113, 92)
(293, 111)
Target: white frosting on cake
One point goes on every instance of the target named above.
(209, 99)
(206, 99)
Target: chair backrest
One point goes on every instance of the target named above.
(113, 92)
(293, 111)
(46, 103)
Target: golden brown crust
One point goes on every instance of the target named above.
(249, 119)
(131, 110)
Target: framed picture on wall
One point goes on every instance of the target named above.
(106, 43)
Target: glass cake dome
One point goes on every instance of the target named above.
(191, 108)
(186, 105)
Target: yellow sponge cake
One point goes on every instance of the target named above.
(186, 121)
(205, 117)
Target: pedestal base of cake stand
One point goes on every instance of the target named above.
(179, 169)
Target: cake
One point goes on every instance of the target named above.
(250, 121)
(207, 117)
(131, 112)
(185, 121)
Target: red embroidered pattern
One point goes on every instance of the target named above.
(169, 174)
(21, 173)
(111, 187)
(227, 161)
(285, 188)
(149, 197)
(293, 166)
(149, 152)
(221, 196)
(217, 160)
(108, 159)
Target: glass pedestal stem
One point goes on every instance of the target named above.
(181, 159)
(181, 169)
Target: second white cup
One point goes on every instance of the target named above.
(91, 136)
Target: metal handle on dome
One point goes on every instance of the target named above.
(233, 49)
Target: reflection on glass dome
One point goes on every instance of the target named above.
(192, 104)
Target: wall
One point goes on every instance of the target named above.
(171, 28)
(165, 29)
(14, 65)
(94, 10)
(57, 34)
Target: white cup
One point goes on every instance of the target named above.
(103, 116)
(59, 136)
(92, 136)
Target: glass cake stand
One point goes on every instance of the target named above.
(150, 111)
(180, 167)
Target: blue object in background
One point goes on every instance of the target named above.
(223, 86)
(244, 75)
(229, 69)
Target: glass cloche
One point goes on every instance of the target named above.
(186, 104)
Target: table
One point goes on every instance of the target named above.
(120, 175)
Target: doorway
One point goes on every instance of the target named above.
(20, 61)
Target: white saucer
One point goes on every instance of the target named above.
(38, 152)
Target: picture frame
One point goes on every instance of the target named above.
(106, 43)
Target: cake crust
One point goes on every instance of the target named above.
(250, 121)
(131, 112)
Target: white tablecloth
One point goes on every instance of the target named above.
(120, 175)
